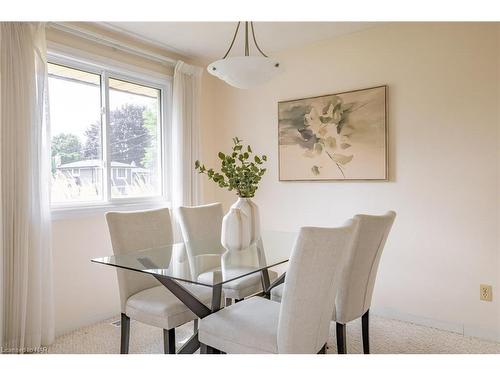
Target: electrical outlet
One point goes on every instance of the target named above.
(485, 292)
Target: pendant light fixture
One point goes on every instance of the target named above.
(245, 72)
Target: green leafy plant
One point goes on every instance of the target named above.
(239, 170)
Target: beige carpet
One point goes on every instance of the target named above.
(387, 336)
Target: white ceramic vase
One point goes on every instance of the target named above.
(241, 225)
(235, 235)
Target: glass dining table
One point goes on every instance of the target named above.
(170, 266)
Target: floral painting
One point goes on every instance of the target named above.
(334, 137)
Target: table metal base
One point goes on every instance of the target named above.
(195, 305)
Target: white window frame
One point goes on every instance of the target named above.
(163, 83)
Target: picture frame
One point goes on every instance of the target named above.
(334, 137)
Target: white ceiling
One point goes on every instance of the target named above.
(210, 40)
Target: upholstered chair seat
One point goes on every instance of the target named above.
(160, 308)
(241, 287)
(245, 286)
(300, 324)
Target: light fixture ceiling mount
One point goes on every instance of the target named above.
(246, 71)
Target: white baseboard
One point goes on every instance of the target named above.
(482, 333)
(462, 329)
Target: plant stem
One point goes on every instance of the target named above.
(337, 164)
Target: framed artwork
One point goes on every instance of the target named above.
(334, 137)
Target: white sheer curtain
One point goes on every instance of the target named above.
(186, 184)
(26, 282)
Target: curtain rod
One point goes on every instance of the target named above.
(110, 42)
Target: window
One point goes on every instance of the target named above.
(106, 133)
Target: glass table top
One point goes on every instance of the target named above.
(214, 265)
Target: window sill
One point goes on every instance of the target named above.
(79, 211)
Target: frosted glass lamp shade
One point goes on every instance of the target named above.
(245, 72)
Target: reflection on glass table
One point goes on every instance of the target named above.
(169, 261)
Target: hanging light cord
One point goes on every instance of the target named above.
(232, 42)
(255, 41)
(247, 48)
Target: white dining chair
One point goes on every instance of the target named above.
(201, 228)
(300, 324)
(142, 297)
(358, 277)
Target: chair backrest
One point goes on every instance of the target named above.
(358, 276)
(310, 287)
(133, 231)
(201, 229)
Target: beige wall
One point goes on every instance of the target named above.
(84, 292)
(444, 154)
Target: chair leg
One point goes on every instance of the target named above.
(125, 333)
(365, 323)
(203, 348)
(169, 341)
(341, 339)
(229, 301)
